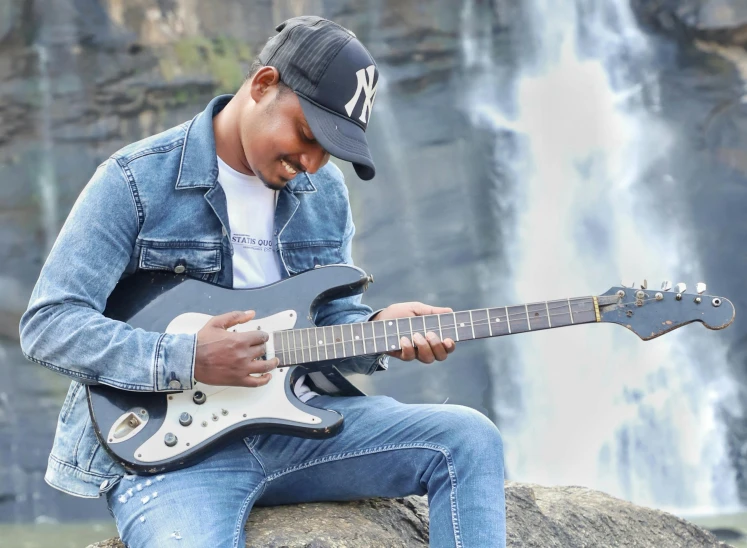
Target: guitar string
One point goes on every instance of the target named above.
(478, 323)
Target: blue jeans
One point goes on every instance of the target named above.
(386, 449)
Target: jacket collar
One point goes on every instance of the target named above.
(198, 167)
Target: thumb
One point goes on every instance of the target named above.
(229, 319)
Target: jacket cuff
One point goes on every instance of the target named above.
(175, 361)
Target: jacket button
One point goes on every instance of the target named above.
(179, 268)
(104, 484)
(175, 384)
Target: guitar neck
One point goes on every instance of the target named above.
(316, 344)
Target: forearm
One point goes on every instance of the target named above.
(64, 327)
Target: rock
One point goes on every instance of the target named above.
(721, 21)
(542, 517)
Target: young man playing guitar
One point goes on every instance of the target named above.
(243, 196)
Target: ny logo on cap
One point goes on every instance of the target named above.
(365, 84)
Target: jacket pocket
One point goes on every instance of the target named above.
(301, 256)
(182, 257)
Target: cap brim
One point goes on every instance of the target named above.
(340, 137)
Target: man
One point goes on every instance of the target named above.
(196, 199)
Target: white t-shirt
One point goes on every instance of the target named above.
(251, 215)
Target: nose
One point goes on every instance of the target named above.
(314, 159)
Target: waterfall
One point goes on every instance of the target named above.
(596, 406)
(46, 178)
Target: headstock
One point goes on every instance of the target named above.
(650, 313)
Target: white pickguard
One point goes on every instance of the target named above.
(225, 405)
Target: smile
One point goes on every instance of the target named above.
(288, 168)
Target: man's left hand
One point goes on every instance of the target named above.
(426, 347)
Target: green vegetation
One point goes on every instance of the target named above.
(222, 58)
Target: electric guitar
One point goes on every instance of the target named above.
(151, 432)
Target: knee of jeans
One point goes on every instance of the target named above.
(472, 431)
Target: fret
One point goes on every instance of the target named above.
(368, 337)
(537, 316)
(296, 347)
(304, 345)
(498, 323)
(392, 341)
(447, 326)
(277, 341)
(561, 315)
(338, 341)
(418, 324)
(570, 312)
(526, 311)
(517, 317)
(288, 346)
(320, 340)
(347, 341)
(431, 324)
(356, 331)
(549, 316)
(583, 310)
(463, 325)
(508, 320)
(379, 336)
(404, 328)
(440, 331)
(472, 324)
(480, 324)
(329, 340)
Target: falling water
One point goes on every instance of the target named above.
(598, 407)
(46, 178)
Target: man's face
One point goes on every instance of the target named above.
(277, 142)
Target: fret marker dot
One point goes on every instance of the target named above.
(390, 323)
(357, 337)
(461, 325)
(497, 319)
(320, 342)
(393, 347)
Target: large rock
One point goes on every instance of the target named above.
(542, 517)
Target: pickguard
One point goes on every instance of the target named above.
(225, 406)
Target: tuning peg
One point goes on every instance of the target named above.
(680, 288)
(627, 284)
(666, 285)
(700, 287)
(644, 285)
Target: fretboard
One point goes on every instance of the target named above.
(314, 344)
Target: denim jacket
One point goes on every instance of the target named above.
(156, 205)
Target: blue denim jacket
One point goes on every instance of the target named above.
(157, 205)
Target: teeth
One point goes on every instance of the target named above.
(288, 167)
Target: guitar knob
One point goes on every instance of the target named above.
(700, 288)
(199, 397)
(680, 288)
(666, 285)
(170, 439)
(185, 419)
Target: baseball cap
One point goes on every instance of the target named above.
(335, 79)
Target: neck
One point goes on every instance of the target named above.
(343, 341)
(228, 137)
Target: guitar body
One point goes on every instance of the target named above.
(142, 430)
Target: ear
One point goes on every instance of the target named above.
(264, 81)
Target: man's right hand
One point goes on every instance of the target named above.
(228, 358)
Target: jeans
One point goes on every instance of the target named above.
(386, 449)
